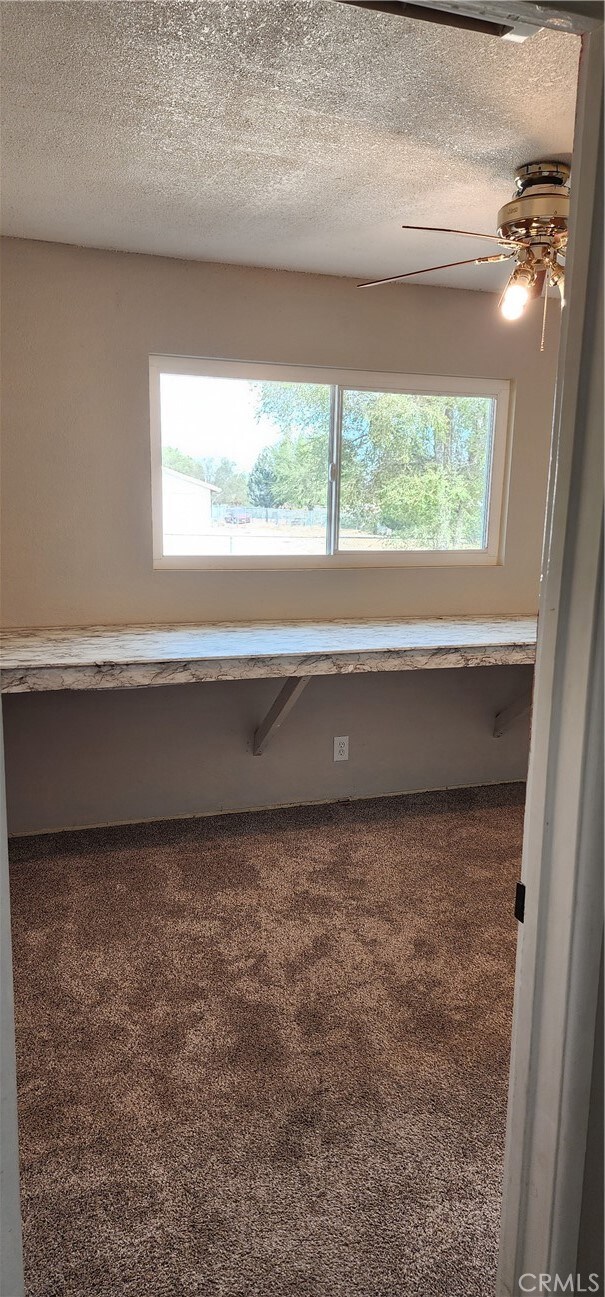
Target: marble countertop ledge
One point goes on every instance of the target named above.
(128, 657)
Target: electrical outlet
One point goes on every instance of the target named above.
(341, 748)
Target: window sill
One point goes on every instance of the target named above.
(327, 562)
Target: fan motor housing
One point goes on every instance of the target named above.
(541, 210)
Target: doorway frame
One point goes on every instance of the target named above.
(560, 941)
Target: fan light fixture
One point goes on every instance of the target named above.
(516, 294)
(532, 228)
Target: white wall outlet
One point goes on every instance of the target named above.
(341, 748)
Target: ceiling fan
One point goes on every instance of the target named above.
(532, 229)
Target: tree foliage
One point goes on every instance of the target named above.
(420, 461)
(223, 473)
(299, 459)
(262, 481)
(413, 465)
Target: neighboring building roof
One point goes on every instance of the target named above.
(184, 477)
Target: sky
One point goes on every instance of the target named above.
(214, 417)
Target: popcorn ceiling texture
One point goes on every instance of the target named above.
(290, 133)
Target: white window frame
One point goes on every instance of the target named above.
(206, 367)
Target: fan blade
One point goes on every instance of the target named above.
(471, 261)
(469, 234)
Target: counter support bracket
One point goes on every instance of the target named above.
(278, 711)
(519, 707)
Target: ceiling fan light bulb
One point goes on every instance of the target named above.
(514, 301)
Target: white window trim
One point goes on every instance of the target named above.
(499, 389)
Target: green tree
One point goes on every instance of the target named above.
(300, 458)
(413, 466)
(430, 468)
(182, 463)
(262, 479)
(231, 481)
(223, 473)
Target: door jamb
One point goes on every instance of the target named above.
(559, 945)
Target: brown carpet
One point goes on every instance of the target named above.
(265, 1055)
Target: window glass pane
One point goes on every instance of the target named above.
(244, 466)
(415, 471)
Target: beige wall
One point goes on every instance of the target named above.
(78, 328)
(76, 759)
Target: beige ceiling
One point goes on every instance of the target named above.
(289, 133)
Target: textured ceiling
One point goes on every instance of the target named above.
(289, 133)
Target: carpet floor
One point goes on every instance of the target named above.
(265, 1055)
